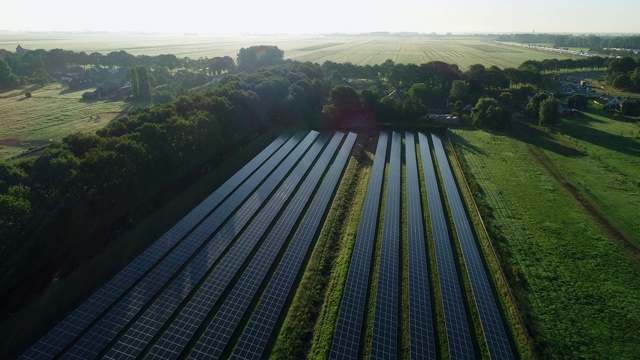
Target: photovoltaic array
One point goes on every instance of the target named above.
(492, 325)
(422, 343)
(346, 341)
(458, 332)
(216, 285)
(385, 323)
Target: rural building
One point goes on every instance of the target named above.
(396, 95)
(107, 89)
(607, 101)
(77, 84)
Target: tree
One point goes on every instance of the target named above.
(533, 107)
(40, 76)
(140, 83)
(488, 114)
(549, 114)
(459, 90)
(622, 81)
(169, 61)
(344, 101)
(7, 79)
(254, 57)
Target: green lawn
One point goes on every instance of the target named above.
(578, 289)
(50, 114)
(611, 147)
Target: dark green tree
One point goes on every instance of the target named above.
(7, 79)
(254, 57)
(488, 114)
(548, 114)
(40, 76)
(533, 107)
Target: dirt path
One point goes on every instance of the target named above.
(594, 213)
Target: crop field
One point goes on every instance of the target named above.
(357, 49)
(50, 114)
(578, 288)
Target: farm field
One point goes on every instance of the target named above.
(357, 49)
(220, 277)
(578, 288)
(50, 114)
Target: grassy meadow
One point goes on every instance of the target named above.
(577, 287)
(27, 124)
(357, 49)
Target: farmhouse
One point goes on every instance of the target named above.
(103, 91)
(607, 101)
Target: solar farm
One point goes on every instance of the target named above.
(219, 283)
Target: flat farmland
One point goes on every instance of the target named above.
(357, 49)
(50, 114)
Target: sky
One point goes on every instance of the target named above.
(323, 16)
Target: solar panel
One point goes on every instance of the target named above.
(256, 335)
(384, 342)
(492, 324)
(346, 340)
(70, 327)
(184, 324)
(218, 333)
(422, 338)
(458, 334)
(102, 332)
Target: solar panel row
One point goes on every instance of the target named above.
(492, 324)
(422, 337)
(219, 331)
(457, 327)
(76, 322)
(346, 341)
(384, 343)
(183, 326)
(253, 340)
(102, 332)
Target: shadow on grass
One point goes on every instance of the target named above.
(464, 144)
(580, 129)
(525, 132)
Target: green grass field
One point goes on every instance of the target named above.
(357, 49)
(611, 148)
(578, 289)
(52, 113)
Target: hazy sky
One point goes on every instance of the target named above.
(324, 16)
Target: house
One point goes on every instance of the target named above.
(608, 101)
(107, 89)
(397, 96)
(99, 93)
(124, 91)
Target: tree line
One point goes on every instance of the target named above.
(23, 66)
(595, 43)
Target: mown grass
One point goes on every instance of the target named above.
(19, 331)
(52, 113)
(609, 152)
(577, 289)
